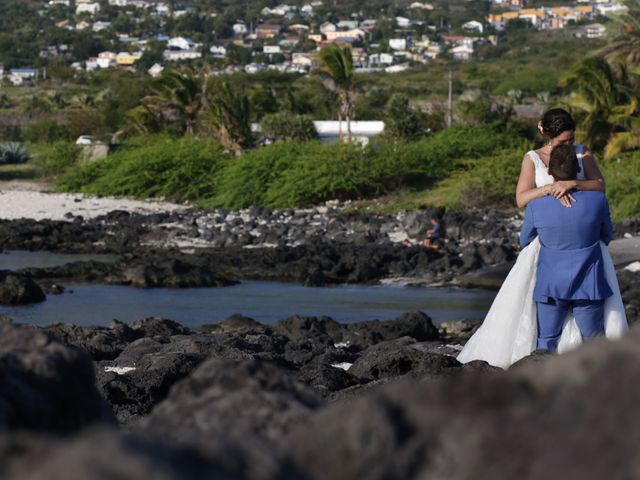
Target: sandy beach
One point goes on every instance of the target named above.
(26, 201)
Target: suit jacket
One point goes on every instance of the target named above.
(570, 262)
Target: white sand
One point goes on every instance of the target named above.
(25, 203)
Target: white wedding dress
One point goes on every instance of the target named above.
(509, 331)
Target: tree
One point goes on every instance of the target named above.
(178, 95)
(595, 88)
(337, 75)
(401, 121)
(627, 134)
(230, 115)
(288, 127)
(625, 35)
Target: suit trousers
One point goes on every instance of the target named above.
(589, 315)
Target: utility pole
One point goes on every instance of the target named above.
(450, 101)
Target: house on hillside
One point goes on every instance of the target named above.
(20, 76)
(218, 51)
(327, 27)
(90, 8)
(473, 26)
(268, 30)
(181, 43)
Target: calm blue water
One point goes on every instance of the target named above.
(266, 302)
(17, 259)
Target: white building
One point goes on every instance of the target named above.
(473, 26)
(19, 76)
(403, 22)
(106, 59)
(361, 131)
(218, 51)
(347, 24)
(66, 3)
(155, 70)
(327, 27)
(181, 43)
(175, 55)
(595, 30)
(90, 8)
(397, 68)
(424, 6)
(302, 59)
(239, 28)
(119, 3)
(399, 44)
(462, 52)
(271, 49)
(99, 26)
(380, 59)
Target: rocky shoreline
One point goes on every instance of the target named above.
(307, 398)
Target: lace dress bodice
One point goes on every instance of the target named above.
(542, 175)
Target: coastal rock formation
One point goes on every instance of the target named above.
(18, 289)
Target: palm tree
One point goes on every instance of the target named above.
(596, 88)
(180, 95)
(627, 134)
(230, 114)
(625, 35)
(337, 75)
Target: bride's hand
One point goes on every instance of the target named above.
(562, 188)
(566, 200)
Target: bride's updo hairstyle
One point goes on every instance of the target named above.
(556, 121)
(563, 163)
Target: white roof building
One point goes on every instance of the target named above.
(403, 22)
(462, 52)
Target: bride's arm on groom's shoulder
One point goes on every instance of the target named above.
(526, 189)
(594, 180)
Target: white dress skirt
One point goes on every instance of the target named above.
(509, 331)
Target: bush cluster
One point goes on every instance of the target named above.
(279, 175)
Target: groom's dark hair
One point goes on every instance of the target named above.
(563, 164)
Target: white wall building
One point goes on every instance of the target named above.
(361, 131)
(176, 55)
(399, 44)
(90, 8)
(239, 28)
(218, 51)
(181, 43)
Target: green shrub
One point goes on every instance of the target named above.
(13, 153)
(480, 182)
(56, 158)
(622, 177)
(288, 127)
(179, 170)
(46, 130)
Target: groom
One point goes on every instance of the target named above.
(570, 275)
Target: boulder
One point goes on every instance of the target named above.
(20, 290)
(46, 385)
(221, 397)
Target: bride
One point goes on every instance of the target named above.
(508, 332)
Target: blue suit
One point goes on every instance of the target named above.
(570, 273)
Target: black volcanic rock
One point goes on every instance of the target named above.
(221, 397)
(101, 454)
(19, 290)
(395, 358)
(45, 385)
